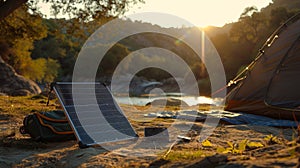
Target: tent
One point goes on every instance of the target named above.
(270, 85)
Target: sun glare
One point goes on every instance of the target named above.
(200, 13)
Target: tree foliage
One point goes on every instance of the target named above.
(247, 29)
(18, 31)
(239, 44)
(89, 10)
(45, 49)
(22, 29)
(86, 10)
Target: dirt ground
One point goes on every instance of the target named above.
(229, 146)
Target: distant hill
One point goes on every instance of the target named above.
(214, 31)
(235, 54)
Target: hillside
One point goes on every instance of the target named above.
(51, 54)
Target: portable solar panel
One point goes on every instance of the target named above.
(93, 113)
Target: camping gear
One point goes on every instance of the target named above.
(184, 138)
(93, 113)
(227, 117)
(47, 126)
(270, 85)
(155, 137)
(159, 134)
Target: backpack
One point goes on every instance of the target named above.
(49, 126)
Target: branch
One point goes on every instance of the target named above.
(8, 6)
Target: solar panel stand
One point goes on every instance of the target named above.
(82, 145)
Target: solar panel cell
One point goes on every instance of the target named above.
(93, 113)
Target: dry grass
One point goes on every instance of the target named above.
(180, 155)
(14, 109)
(17, 107)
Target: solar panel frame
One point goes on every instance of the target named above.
(84, 139)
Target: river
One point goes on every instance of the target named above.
(190, 100)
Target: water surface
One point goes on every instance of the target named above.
(190, 100)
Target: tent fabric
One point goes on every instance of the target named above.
(271, 86)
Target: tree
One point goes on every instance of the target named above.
(86, 10)
(278, 16)
(249, 26)
(8, 6)
(22, 25)
(252, 30)
(51, 71)
(18, 31)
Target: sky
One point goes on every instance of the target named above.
(200, 13)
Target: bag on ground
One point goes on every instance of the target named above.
(49, 126)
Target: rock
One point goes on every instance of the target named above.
(3, 94)
(14, 84)
(170, 81)
(20, 92)
(167, 102)
(171, 85)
